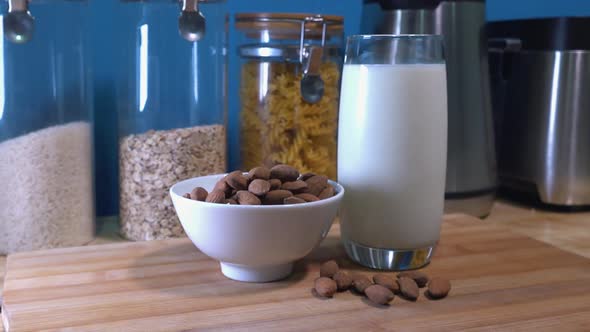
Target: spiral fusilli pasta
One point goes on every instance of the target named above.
(278, 126)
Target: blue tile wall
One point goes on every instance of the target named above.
(105, 41)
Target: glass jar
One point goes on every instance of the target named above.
(172, 107)
(47, 193)
(289, 90)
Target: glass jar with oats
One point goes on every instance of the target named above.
(289, 90)
(172, 107)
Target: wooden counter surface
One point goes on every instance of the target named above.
(567, 231)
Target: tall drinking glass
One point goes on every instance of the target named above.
(392, 148)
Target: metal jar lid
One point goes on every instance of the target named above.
(19, 24)
(191, 22)
(296, 27)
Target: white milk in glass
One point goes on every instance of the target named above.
(392, 152)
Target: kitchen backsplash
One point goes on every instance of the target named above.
(358, 18)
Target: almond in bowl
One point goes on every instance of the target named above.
(256, 233)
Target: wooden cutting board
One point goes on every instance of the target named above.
(501, 281)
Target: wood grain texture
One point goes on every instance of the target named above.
(501, 281)
(568, 231)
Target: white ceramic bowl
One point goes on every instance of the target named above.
(253, 243)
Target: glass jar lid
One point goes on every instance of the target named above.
(292, 37)
(289, 26)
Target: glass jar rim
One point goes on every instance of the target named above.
(280, 52)
(394, 36)
(289, 25)
(262, 16)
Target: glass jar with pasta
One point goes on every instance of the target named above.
(289, 90)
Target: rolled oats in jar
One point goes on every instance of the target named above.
(172, 110)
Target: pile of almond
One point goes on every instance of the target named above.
(281, 184)
(382, 289)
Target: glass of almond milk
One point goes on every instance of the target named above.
(392, 148)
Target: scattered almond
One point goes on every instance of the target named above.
(285, 173)
(360, 283)
(387, 282)
(259, 187)
(325, 287)
(328, 269)
(187, 195)
(419, 277)
(385, 287)
(408, 288)
(379, 294)
(199, 194)
(343, 280)
(439, 288)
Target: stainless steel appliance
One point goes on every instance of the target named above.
(471, 164)
(541, 78)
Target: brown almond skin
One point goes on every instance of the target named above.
(328, 269)
(237, 180)
(260, 172)
(293, 200)
(387, 282)
(360, 283)
(408, 288)
(187, 195)
(316, 184)
(306, 176)
(439, 288)
(231, 201)
(247, 198)
(343, 280)
(276, 197)
(285, 173)
(419, 277)
(275, 184)
(296, 187)
(216, 196)
(223, 186)
(379, 294)
(259, 187)
(199, 194)
(234, 173)
(307, 197)
(325, 287)
(327, 192)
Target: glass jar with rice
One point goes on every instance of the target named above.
(289, 90)
(46, 145)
